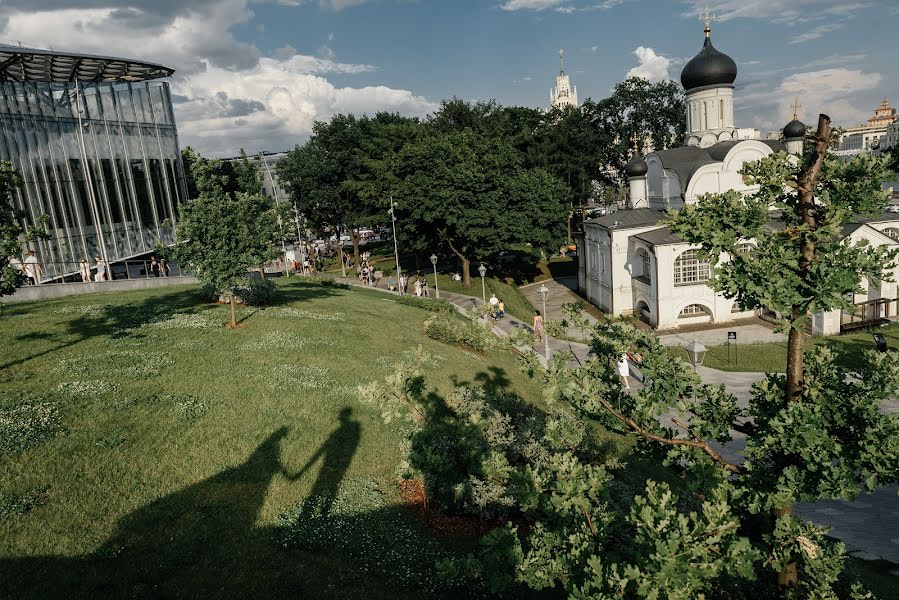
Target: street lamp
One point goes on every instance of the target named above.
(434, 262)
(544, 292)
(483, 271)
(696, 351)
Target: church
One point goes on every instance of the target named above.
(630, 263)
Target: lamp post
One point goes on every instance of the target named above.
(483, 271)
(396, 250)
(544, 292)
(434, 262)
(696, 351)
(271, 178)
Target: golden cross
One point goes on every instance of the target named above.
(796, 107)
(707, 17)
(634, 140)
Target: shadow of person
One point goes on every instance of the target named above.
(336, 454)
(203, 534)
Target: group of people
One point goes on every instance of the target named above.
(419, 285)
(159, 267)
(32, 269)
(497, 307)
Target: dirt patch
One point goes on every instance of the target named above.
(455, 526)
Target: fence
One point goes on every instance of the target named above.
(868, 313)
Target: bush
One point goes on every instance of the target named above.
(324, 281)
(458, 332)
(257, 292)
(432, 305)
(208, 293)
(465, 456)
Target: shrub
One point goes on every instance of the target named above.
(466, 455)
(458, 332)
(324, 281)
(208, 293)
(257, 292)
(432, 305)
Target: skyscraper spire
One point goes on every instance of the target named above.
(561, 61)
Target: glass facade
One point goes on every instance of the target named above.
(100, 160)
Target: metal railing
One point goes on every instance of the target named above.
(75, 272)
(871, 312)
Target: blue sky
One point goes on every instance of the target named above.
(258, 73)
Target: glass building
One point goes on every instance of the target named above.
(95, 143)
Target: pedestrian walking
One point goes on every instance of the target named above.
(417, 287)
(538, 325)
(424, 289)
(84, 268)
(404, 281)
(624, 371)
(494, 303)
(164, 267)
(154, 266)
(101, 269)
(501, 309)
(32, 268)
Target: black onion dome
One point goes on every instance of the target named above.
(794, 129)
(637, 167)
(709, 67)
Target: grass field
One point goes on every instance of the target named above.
(772, 357)
(148, 451)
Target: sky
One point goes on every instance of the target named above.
(257, 74)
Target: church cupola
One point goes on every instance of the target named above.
(794, 132)
(708, 82)
(636, 170)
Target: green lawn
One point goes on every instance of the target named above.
(149, 451)
(772, 357)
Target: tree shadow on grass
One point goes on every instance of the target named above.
(124, 320)
(201, 541)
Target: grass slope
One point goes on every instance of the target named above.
(149, 451)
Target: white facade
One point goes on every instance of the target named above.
(631, 264)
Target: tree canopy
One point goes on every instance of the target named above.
(13, 232)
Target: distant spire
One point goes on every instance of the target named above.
(635, 139)
(707, 17)
(561, 61)
(796, 107)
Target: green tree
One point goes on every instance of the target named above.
(804, 266)
(13, 231)
(219, 237)
(655, 112)
(472, 193)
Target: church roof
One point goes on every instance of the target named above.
(708, 68)
(660, 237)
(686, 160)
(886, 217)
(628, 219)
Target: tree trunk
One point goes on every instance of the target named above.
(340, 255)
(806, 183)
(466, 264)
(233, 311)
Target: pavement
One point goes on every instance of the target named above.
(869, 525)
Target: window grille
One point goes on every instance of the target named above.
(689, 268)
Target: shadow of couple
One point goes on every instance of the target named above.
(200, 540)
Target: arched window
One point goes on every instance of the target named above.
(692, 310)
(690, 269)
(892, 232)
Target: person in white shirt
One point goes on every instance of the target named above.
(494, 303)
(101, 269)
(32, 268)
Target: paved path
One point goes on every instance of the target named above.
(869, 526)
(746, 334)
(560, 292)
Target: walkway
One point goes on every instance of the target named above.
(862, 525)
(560, 293)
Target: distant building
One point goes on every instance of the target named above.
(563, 94)
(869, 135)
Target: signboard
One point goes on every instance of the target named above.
(731, 335)
(880, 342)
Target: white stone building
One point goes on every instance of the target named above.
(632, 264)
(871, 134)
(563, 94)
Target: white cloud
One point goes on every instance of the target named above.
(228, 94)
(653, 67)
(829, 91)
(790, 12)
(531, 4)
(816, 33)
